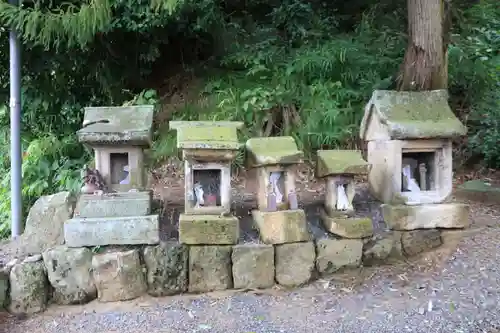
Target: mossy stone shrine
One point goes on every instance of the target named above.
(208, 149)
(278, 217)
(338, 168)
(118, 136)
(409, 138)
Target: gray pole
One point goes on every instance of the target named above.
(15, 132)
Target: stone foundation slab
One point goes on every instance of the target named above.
(280, 227)
(208, 229)
(112, 231)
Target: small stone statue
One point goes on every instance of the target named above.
(342, 200)
(93, 182)
(423, 176)
(126, 180)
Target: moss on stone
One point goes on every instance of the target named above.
(272, 151)
(207, 135)
(117, 125)
(337, 162)
(414, 114)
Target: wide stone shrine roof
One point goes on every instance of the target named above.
(214, 135)
(399, 115)
(117, 125)
(341, 162)
(272, 151)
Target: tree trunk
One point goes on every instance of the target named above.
(425, 65)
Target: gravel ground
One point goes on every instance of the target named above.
(460, 292)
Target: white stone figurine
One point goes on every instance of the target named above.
(342, 200)
(199, 193)
(126, 180)
(273, 180)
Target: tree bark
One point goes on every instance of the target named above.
(425, 65)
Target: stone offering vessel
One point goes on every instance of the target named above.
(208, 149)
(338, 168)
(409, 138)
(278, 217)
(120, 215)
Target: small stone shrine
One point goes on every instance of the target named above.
(208, 149)
(338, 168)
(278, 217)
(120, 214)
(409, 138)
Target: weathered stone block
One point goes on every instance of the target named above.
(295, 263)
(253, 266)
(121, 204)
(4, 286)
(208, 229)
(29, 288)
(45, 223)
(70, 274)
(167, 268)
(402, 217)
(348, 227)
(335, 254)
(382, 248)
(285, 226)
(118, 276)
(418, 241)
(132, 230)
(209, 268)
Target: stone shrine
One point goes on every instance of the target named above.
(338, 168)
(409, 146)
(120, 215)
(208, 149)
(278, 217)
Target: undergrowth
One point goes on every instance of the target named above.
(287, 67)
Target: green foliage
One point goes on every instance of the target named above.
(283, 67)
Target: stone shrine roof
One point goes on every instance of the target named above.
(399, 115)
(214, 135)
(273, 150)
(117, 125)
(341, 162)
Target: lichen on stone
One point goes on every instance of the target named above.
(413, 114)
(117, 125)
(272, 151)
(341, 162)
(207, 135)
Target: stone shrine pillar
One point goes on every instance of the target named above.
(278, 217)
(208, 149)
(120, 215)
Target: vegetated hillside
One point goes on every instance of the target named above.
(287, 67)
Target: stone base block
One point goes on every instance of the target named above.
(29, 288)
(120, 204)
(118, 276)
(348, 227)
(419, 241)
(253, 266)
(285, 226)
(295, 263)
(450, 215)
(335, 254)
(382, 248)
(208, 229)
(112, 231)
(210, 268)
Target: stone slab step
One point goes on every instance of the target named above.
(121, 204)
(130, 230)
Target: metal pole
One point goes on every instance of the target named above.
(15, 132)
